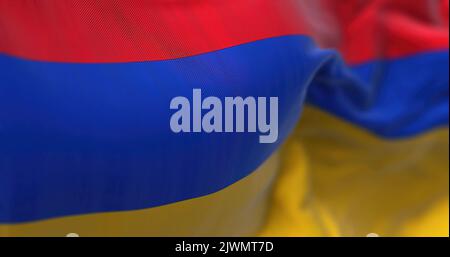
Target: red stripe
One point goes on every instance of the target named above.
(389, 28)
(123, 31)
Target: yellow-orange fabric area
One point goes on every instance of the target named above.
(338, 180)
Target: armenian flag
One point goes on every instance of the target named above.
(86, 144)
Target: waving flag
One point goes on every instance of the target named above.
(85, 87)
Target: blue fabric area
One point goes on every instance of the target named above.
(391, 98)
(86, 138)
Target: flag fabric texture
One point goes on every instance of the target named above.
(86, 147)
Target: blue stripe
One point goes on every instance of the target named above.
(391, 98)
(85, 138)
